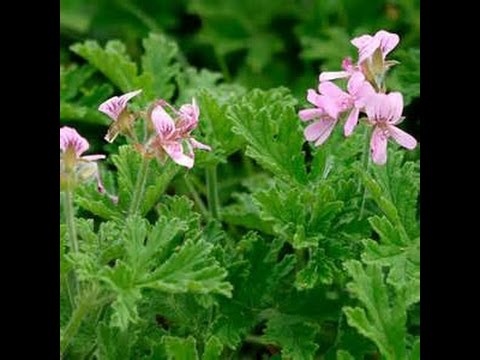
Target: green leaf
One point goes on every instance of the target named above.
(400, 183)
(415, 353)
(159, 67)
(395, 190)
(216, 128)
(318, 270)
(268, 122)
(383, 316)
(193, 82)
(128, 163)
(122, 280)
(180, 348)
(78, 98)
(113, 344)
(191, 269)
(213, 349)
(405, 77)
(255, 273)
(112, 61)
(89, 198)
(344, 355)
(295, 336)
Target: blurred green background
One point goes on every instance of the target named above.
(255, 43)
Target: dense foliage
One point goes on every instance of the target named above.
(268, 247)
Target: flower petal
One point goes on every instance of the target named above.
(313, 98)
(93, 157)
(198, 145)
(189, 114)
(351, 122)
(327, 127)
(332, 75)
(309, 114)
(162, 121)
(378, 146)
(331, 106)
(378, 108)
(364, 92)
(395, 100)
(388, 41)
(175, 151)
(361, 41)
(355, 83)
(320, 130)
(70, 138)
(114, 106)
(402, 138)
(331, 90)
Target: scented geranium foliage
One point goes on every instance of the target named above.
(216, 225)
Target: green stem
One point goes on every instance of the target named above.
(196, 197)
(73, 288)
(73, 325)
(258, 340)
(223, 67)
(301, 255)
(365, 165)
(136, 11)
(139, 187)
(212, 191)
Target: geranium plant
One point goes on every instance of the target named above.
(216, 225)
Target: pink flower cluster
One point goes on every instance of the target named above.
(364, 94)
(171, 137)
(172, 134)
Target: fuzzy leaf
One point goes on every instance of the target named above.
(213, 349)
(159, 66)
(180, 348)
(191, 269)
(112, 61)
(268, 122)
(382, 317)
(295, 336)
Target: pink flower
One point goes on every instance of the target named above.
(367, 44)
(73, 146)
(74, 166)
(115, 108)
(348, 70)
(384, 112)
(171, 135)
(358, 90)
(326, 115)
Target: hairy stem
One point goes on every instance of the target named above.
(139, 187)
(73, 287)
(73, 325)
(196, 197)
(212, 191)
(365, 165)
